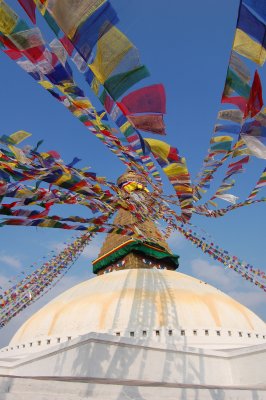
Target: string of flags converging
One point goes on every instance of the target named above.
(33, 182)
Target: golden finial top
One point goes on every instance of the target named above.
(131, 176)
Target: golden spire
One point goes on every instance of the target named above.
(125, 252)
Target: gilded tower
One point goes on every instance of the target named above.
(124, 252)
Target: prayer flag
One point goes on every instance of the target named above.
(222, 147)
(148, 123)
(258, 6)
(218, 139)
(227, 197)
(247, 47)
(70, 14)
(8, 19)
(233, 81)
(255, 146)
(93, 28)
(120, 83)
(111, 49)
(249, 24)
(163, 150)
(231, 115)
(150, 99)
(255, 101)
(261, 183)
(238, 101)
(244, 160)
(234, 129)
(238, 65)
(19, 136)
(29, 7)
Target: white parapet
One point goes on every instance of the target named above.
(103, 356)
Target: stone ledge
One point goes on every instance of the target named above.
(36, 389)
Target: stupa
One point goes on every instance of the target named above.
(138, 330)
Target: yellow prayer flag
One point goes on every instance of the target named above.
(47, 223)
(77, 112)
(239, 144)
(8, 18)
(70, 14)
(8, 165)
(175, 169)
(19, 136)
(46, 84)
(213, 203)
(160, 148)
(201, 190)
(186, 202)
(183, 189)
(247, 47)
(82, 103)
(125, 126)
(103, 114)
(111, 49)
(131, 186)
(24, 192)
(64, 87)
(65, 168)
(97, 122)
(241, 152)
(95, 86)
(218, 139)
(63, 178)
(20, 156)
(45, 155)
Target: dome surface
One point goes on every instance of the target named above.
(137, 302)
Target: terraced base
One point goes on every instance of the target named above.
(15, 388)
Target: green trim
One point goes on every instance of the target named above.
(138, 247)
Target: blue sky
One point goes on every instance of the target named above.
(186, 46)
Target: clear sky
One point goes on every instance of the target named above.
(186, 46)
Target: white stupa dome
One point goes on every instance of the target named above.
(150, 304)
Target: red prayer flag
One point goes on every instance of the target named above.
(173, 155)
(148, 123)
(67, 45)
(54, 154)
(8, 43)
(29, 7)
(40, 215)
(239, 162)
(255, 101)
(13, 54)
(34, 54)
(108, 103)
(150, 99)
(238, 101)
(235, 168)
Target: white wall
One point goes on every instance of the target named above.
(105, 356)
(208, 338)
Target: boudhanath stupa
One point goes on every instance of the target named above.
(138, 330)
